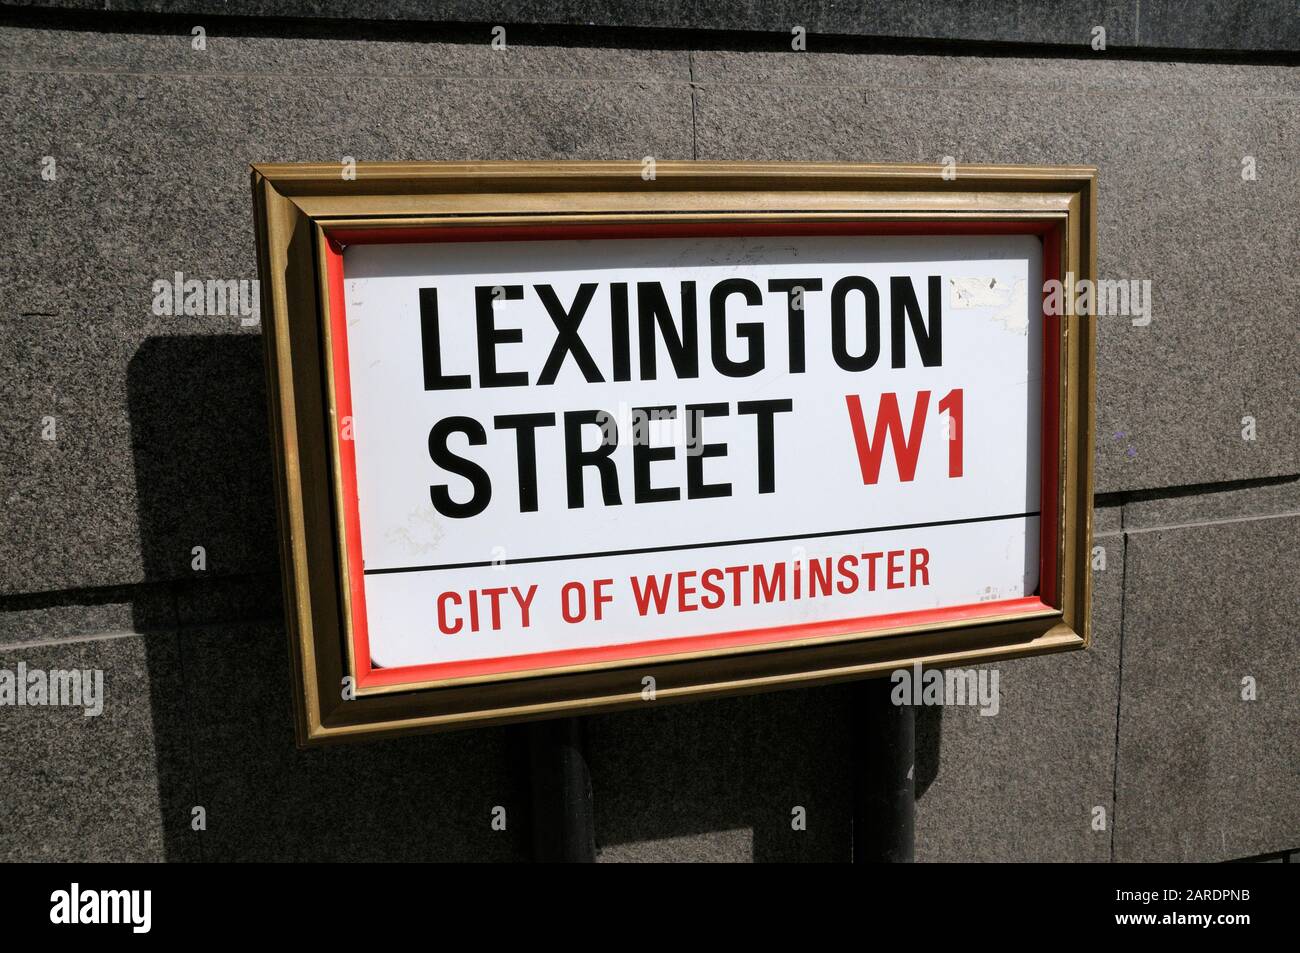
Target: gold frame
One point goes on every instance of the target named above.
(296, 203)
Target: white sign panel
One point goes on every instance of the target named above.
(573, 451)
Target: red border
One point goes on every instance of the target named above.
(1049, 462)
(369, 677)
(347, 456)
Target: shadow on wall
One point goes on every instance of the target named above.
(220, 688)
(202, 478)
(720, 780)
(225, 738)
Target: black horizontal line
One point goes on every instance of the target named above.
(715, 545)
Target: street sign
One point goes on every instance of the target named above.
(618, 455)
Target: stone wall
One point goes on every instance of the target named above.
(161, 444)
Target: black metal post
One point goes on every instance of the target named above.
(563, 826)
(885, 775)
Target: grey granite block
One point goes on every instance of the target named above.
(753, 64)
(42, 618)
(160, 422)
(712, 847)
(351, 54)
(720, 779)
(1262, 25)
(1029, 21)
(27, 622)
(112, 787)
(54, 5)
(1172, 395)
(1204, 774)
(1023, 784)
(235, 599)
(1272, 498)
(1106, 519)
(425, 798)
(1217, 25)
